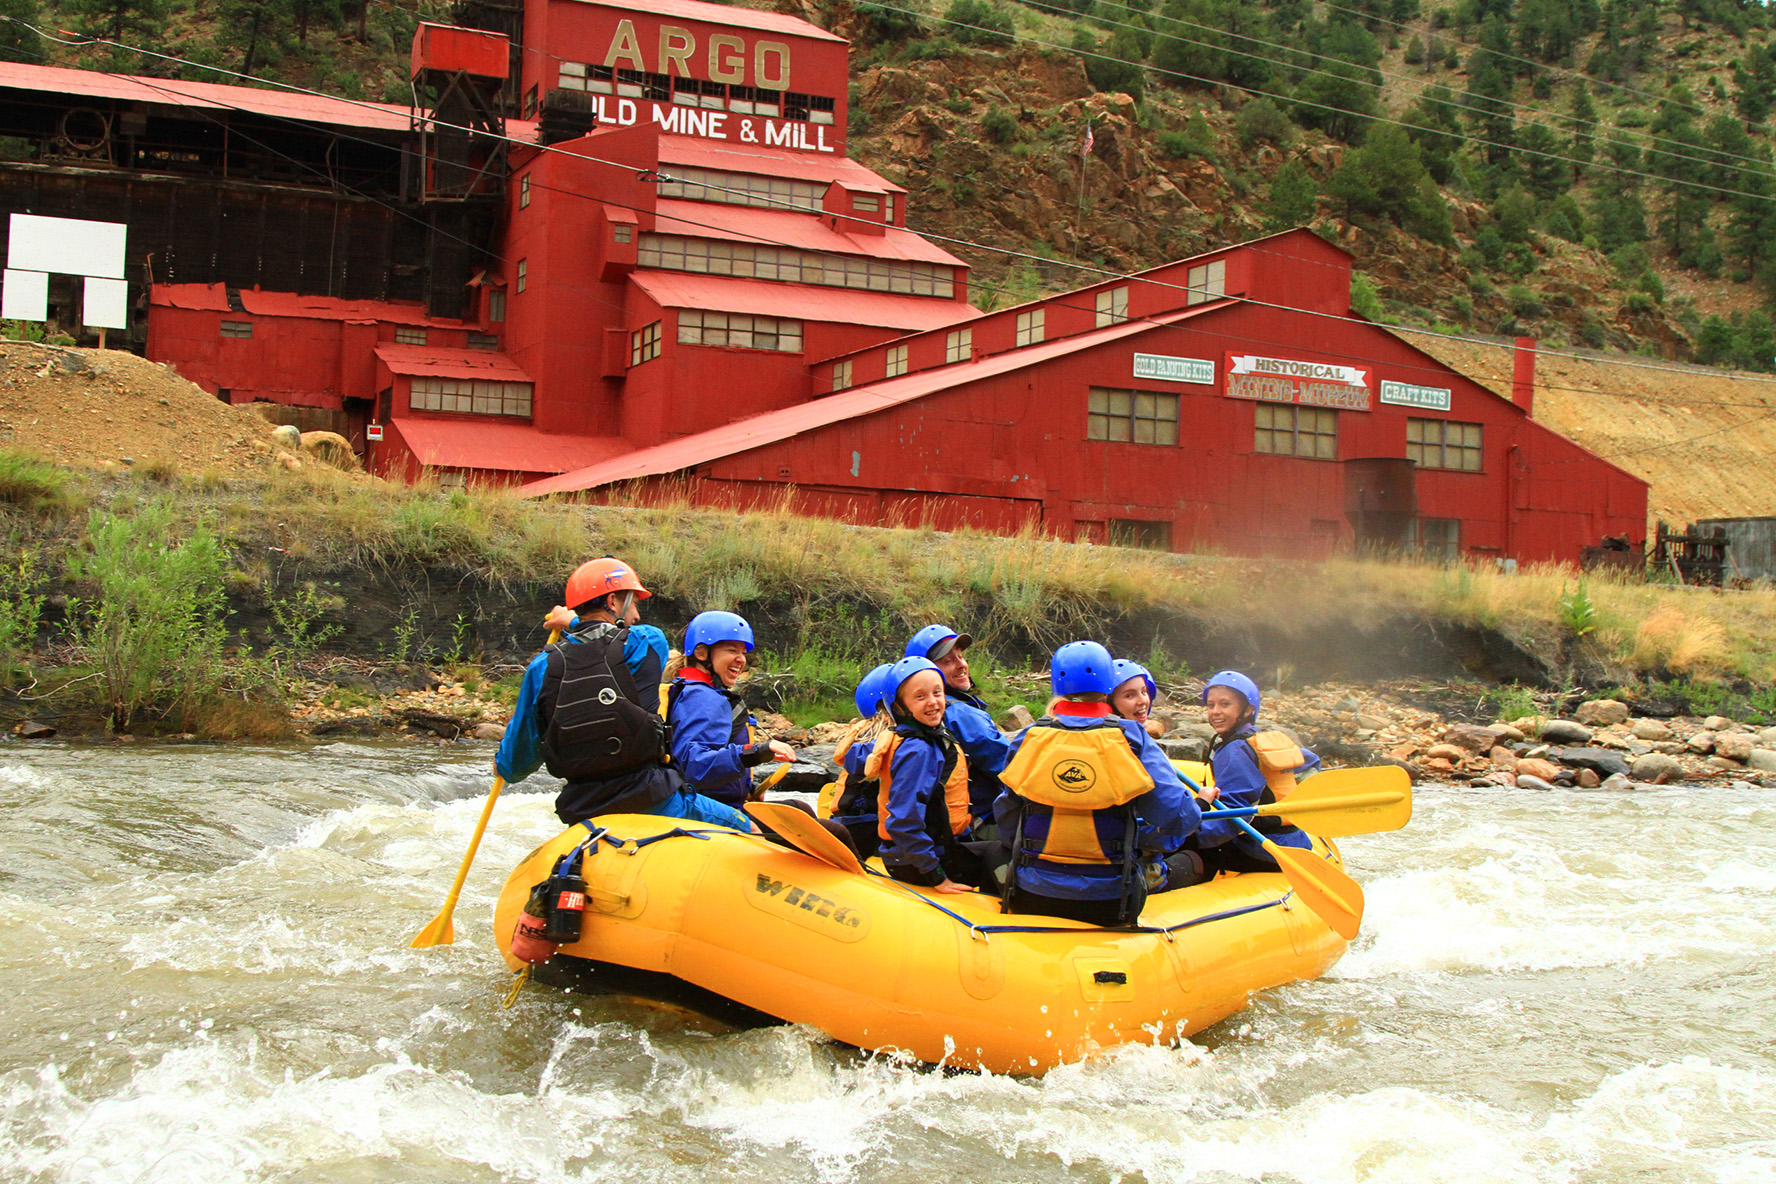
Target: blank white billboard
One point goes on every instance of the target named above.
(25, 296)
(107, 304)
(66, 246)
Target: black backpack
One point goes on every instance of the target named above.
(599, 726)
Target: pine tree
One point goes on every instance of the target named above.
(1582, 149)
(136, 21)
(1544, 173)
(1437, 130)
(1293, 198)
(17, 42)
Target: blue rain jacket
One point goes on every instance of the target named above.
(915, 773)
(985, 746)
(1240, 783)
(708, 743)
(521, 752)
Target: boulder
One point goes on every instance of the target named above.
(1452, 753)
(1471, 737)
(1196, 729)
(1602, 713)
(1438, 766)
(1509, 732)
(1588, 779)
(1369, 723)
(1600, 760)
(1650, 730)
(1525, 781)
(1616, 782)
(30, 729)
(1539, 769)
(1721, 764)
(1016, 718)
(1717, 723)
(287, 436)
(330, 448)
(801, 777)
(1657, 768)
(1503, 758)
(1734, 746)
(1155, 727)
(1762, 759)
(827, 733)
(487, 731)
(1184, 748)
(1767, 738)
(1700, 742)
(1564, 731)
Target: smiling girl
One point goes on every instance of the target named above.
(924, 785)
(712, 743)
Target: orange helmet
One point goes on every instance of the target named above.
(601, 577)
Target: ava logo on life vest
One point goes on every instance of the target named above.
(811, 910)
(1074, 776)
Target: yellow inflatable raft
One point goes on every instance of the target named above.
(681, 911)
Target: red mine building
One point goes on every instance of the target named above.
(624, 243)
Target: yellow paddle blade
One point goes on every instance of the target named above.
(805, 834)
(438, 932)
(1325, 889)
(1339, 802)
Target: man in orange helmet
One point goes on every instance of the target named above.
(589, 707)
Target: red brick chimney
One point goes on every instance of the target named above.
(1523, 375)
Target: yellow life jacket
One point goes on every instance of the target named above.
(832, 791)
(1073, 774)
(1278, 758)
(955, 789)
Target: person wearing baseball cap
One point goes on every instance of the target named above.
(965, 714)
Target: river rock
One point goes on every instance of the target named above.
(1601, 760)
(1439, 766)
(1718, 723)
(1588, 779)
(1369, 723)
(1650, 730)
(1525, 781)
(1602, 713)
(1503, 758)
(1767, 738)
(1733, 746)
(1700, 742)
(1155, 727)
(1184, 748)
(30, 729)
(1721, 764)
(1564, 731)
(1657, 768)
(1016, 718)
(1537, 768)
(487, 731)
(1616, 782)
(1452, 753)
(1195, 729)
(1471, 737)
(287, 436)
(802, 776)
(1762, 759)
(1509, 733)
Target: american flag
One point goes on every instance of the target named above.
(1085, 148)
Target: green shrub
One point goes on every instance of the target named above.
(21, 610)
(153, 620)
(1263, 120)
(998, 126)
(1576, 610)
(978, 22)
(32, 483)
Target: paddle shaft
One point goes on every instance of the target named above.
(1325, 889)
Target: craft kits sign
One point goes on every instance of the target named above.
(1404, 394)
(1309, 384)
(1200, 371)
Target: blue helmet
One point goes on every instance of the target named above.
(869, 690)
(1082, 667)
(889, 684)
(709, 628)
(1234, 681)
(1126, 670)
(926, 642)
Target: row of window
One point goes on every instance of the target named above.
(696, 92)
(739, 330)
(471, 395)
(742, 189)
(1149, 417)
(713, 257)
(404, 334)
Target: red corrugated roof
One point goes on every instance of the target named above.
(756, 431)
(759, 160)
(679, 289)
(508, 447)
(722, 14)
(175, 93)
(201, 297)
(330, 308)
(427, 362)
(792, 228)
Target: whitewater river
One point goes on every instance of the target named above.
(205, 977)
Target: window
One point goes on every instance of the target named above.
(587, 77)
(1442, 444)
(530, 102)
(738, 330)
(623, 232)
(644, 344)
(713, 257)
(1030, 326)
(897, 360)
(496, 305)
(841, 375)
(742, 189)
(1113, 307)
(237, 328)
(410, 335)
(483, 341)
(866, 203)
(471, 396)
(1285, 430)
(524, 192)
(1138, 532)
(523, 272)
(1131, 417)
(1208, 282)
(958, 345)
(1436, 538)
(888, 208)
